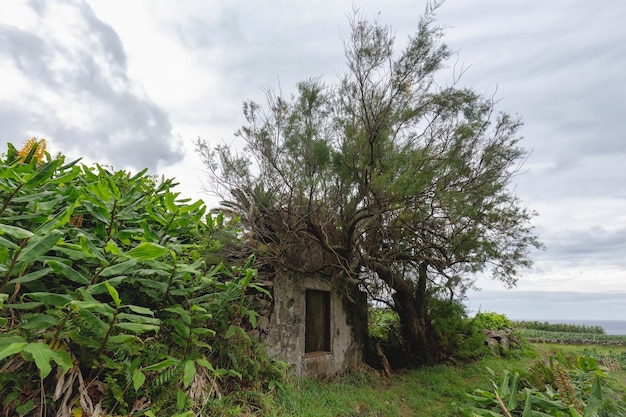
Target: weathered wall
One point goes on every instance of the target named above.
(284, 335)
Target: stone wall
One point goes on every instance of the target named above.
(501, 341)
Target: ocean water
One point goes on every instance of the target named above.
(610, 326)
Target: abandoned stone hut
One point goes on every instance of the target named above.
(314, 324)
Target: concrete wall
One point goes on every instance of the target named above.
(285, 332)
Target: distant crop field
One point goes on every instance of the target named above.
(570, 338)
(558, 327)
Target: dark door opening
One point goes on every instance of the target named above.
(317, 331)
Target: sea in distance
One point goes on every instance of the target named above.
(616, 327)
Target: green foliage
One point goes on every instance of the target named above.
(492, 321)
(383, 324)
(619, 357)
(558, 327)
(385, 180)
(458, 336)
(564, 386)
(105, 293)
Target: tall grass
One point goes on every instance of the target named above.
(429, 391)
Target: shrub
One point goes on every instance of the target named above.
(492, 321)
(107, 301)
(458, 337)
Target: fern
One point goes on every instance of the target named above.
(114, 395)
(161, 384)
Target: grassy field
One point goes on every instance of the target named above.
(432, 391)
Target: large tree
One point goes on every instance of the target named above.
(387, 180)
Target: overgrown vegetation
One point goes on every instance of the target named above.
(442, 390)
(107, 301)
(385, 181)
(460, 338)
(572, 386)
(426, 391)
(110, 303)
(492, 321)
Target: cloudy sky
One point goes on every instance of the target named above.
(133, 83)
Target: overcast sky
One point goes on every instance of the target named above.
(133, 83)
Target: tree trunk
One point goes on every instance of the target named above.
(411, 305)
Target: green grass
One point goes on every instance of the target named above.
(425, 391)
(429, 391)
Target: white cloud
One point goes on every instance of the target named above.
(556, 306)
(135, 83)
(74, 88)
